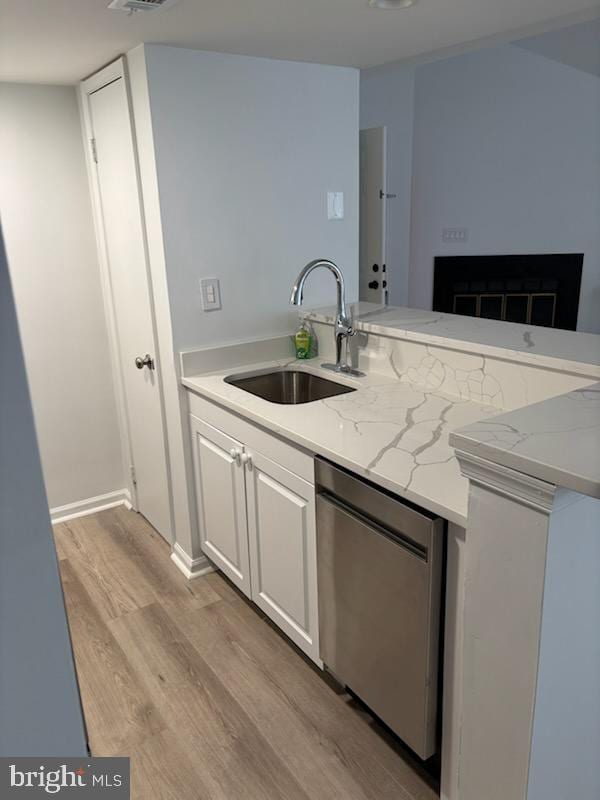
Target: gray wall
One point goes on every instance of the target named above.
(47, 220)
(576, 45)
(246, 150)
(566, 726)
(40, 712)
(506, 143)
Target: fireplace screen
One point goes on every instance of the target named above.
(531, 289)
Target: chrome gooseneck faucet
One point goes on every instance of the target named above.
(343, 325)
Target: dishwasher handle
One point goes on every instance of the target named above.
(414, 548)
(396, 516)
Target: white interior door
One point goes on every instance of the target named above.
(372, 278)
(121, 223)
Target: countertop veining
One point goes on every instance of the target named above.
(557, 440)
(389, 431)
(571, 351)
(401, 433)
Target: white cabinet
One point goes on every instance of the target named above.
(221, 497)
(282, 543)
(257, 520)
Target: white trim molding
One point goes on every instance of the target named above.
(185, 526)
(191, 567)
(508, 482)
(102, 77)
(82, 508)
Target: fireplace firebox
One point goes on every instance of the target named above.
(531, 289)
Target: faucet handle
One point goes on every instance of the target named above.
(345, 329)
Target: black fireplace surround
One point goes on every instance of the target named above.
(531, 289)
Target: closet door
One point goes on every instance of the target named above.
(121, 236)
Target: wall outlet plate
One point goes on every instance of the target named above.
(211, 294)
(455, 235)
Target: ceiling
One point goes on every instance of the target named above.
(577, 46)
(62, 41)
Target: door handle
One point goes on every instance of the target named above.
(146, 361)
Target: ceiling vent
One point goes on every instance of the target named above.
(141, 5)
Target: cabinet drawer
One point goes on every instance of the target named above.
(291, 457)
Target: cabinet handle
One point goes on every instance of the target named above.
(247, 460)
(235, 455)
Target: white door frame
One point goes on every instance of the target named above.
(115, 71)
(364, 267)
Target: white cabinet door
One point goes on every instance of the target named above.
(281, 529)
(221, 497)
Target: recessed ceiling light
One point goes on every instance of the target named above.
(391, 3)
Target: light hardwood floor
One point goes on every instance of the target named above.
(198, 688)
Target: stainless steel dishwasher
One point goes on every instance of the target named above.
(379, 577)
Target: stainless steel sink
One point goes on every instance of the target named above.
(288, 386)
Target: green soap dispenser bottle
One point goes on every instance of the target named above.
(303, 342)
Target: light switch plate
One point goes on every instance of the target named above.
(211, 294)
(335, 205)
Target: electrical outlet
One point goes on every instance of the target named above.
(455, 235)
(211, 294)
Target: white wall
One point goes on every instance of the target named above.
(386, 99)
(41, 713)
(506, 144)
(246, 149)
(46, 215)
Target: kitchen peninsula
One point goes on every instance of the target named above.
(463, 418)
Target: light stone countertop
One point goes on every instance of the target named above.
(401, 434)
(566, 351)
(392, 432)
(557, 440)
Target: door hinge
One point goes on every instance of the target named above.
(132, 472)
(94, 150)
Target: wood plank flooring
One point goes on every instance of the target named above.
(207, 698)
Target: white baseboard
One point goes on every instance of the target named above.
(191, 567)
(90, 506)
